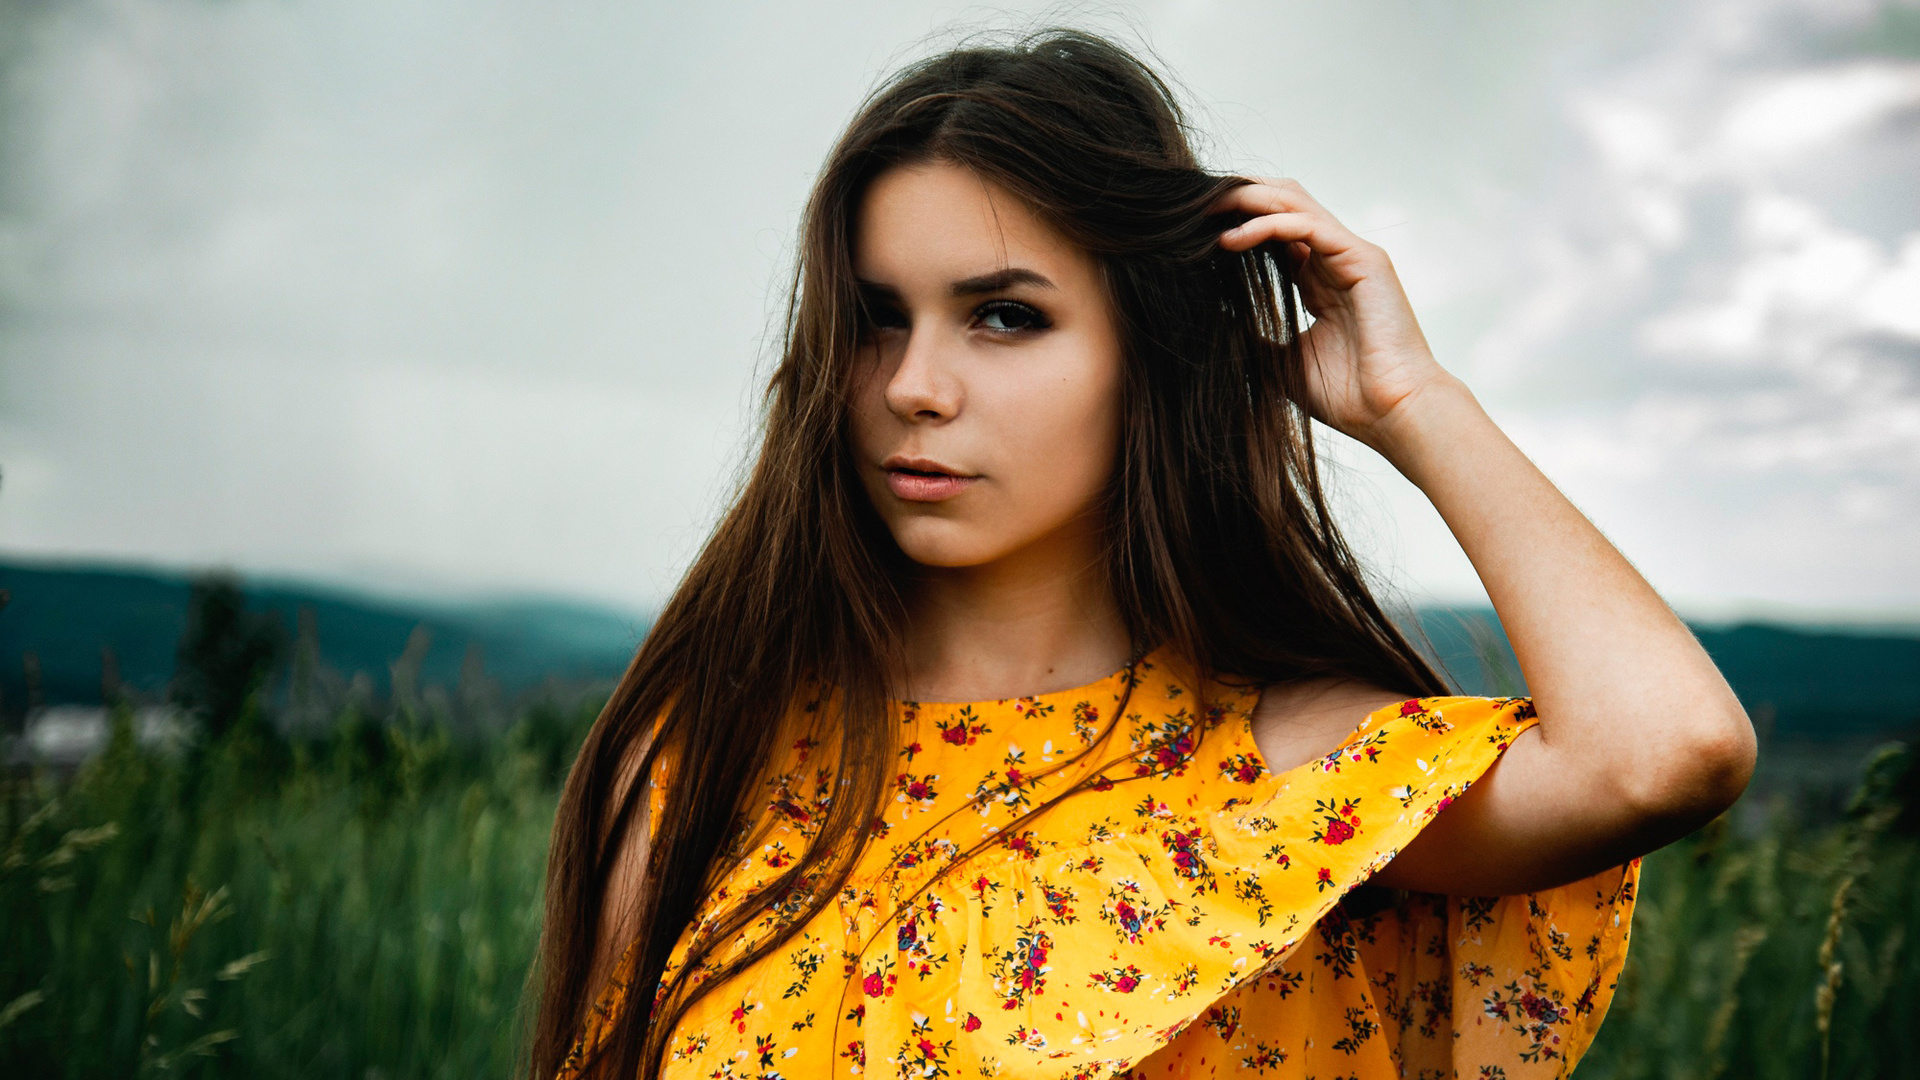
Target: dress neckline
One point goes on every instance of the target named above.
(1117, 678)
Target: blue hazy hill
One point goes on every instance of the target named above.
(67, 617)
(1809, 683)
(1799, 682)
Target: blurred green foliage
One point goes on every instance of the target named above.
(360, 906)
(1781, 951)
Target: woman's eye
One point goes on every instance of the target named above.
(1007, 316)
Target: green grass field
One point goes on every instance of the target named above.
(365, 907)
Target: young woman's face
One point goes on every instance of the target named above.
(986, 408)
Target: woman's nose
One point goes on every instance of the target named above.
(925, 387)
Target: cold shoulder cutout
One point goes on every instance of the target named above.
(1057, 891)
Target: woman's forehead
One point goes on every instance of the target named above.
(932, 225)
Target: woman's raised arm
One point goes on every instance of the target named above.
(1640, 739)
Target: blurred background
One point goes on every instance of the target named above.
(369, 371)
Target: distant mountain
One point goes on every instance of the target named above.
(68, 617)
(1798, 682)
(1801, 683)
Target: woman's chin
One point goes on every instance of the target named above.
(944, 557)
(946, 545)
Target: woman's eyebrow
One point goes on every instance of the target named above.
(1001, 279)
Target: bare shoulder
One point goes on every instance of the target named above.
(1295, 723)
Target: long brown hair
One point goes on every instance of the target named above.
(1220, 543)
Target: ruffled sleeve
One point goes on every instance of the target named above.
(1516, 983)
(1093, 948)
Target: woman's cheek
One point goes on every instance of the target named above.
(1066, 432)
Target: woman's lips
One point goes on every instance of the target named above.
(915, 486)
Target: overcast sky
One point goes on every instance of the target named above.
(472, 297)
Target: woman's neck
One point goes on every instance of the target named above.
(1037, 620)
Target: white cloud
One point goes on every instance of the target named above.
(1801, 288)
(1797, 112)
(1715, 298)
(1891, 301)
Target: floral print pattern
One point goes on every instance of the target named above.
(1182, 912)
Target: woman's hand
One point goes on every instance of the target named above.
(1366, 357)
(1640, 740)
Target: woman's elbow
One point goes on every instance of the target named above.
(1699, 773)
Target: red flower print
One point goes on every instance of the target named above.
(1343, 821)
(1123, 980)
(1240, 769)
(1411, 708)
(917, 788)
(962, 730)
(1264, 1057)
(1223, 1021)
(1020, 973)
(971, 1023)
(1184, 847)
(1585, 1004)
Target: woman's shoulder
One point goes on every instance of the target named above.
(1294, 723)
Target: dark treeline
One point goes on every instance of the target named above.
(86, 635)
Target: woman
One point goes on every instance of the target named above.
(1039, 447)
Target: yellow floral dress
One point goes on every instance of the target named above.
(1188, 914)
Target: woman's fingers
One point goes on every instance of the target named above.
(1269, 196)
(1282, 210)
(1280, 226)
(1310, 243)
